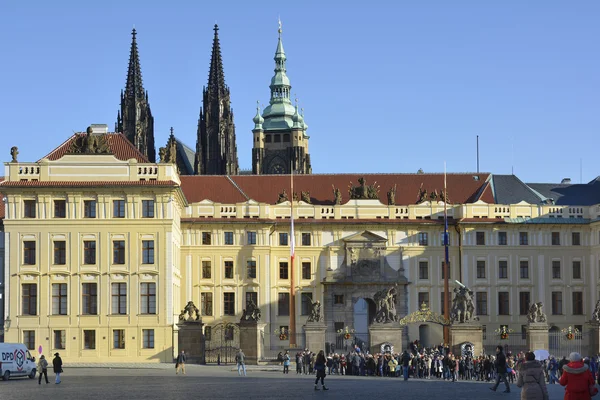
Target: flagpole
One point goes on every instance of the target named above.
(292, 329)
(445, 266)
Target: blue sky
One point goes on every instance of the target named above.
(386, 86)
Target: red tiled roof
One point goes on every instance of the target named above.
(86, 184)
(487, 195)
(122, 148)
(216, 188)
(462, 188)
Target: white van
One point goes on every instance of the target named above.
(16, 360)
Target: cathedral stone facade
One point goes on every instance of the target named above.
(135, 119)
(216, 151)
(280, 142)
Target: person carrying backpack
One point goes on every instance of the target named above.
(43, 369)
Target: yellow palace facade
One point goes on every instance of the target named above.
(102, 249)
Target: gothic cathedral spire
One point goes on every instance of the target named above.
(216, 150)
(280, 143)
(135, 119)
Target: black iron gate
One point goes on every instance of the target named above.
(222, 342)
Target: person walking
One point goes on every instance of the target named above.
(57, 365)
(180, 363)
(532, 379)
(500, 370)
(405, 364)
(577, 379)
(552, 370)
(286, 362)
(43, 369)
(320, 368)
(240, 359)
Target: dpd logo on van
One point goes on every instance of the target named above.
(19, 359)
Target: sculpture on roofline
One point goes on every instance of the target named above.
(283, 196)
(422, 195)
(363, 191)
(14, 152)
(305, 196)
(392, 196)
(337, 195)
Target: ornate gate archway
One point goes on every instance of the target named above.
(222, 342)
(424, 315)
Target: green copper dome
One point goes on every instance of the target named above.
(279, 114)
(258, 119)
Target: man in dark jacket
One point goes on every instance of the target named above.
(57, 365)
(405, 364)
(500, 370)
(180, 363)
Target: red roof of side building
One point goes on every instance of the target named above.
(119, 146)
(462, 188)
(216, 188)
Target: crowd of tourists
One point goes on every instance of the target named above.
(578, 374)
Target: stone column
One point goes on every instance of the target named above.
(386, 334)
(466, 333)
(191, 339)
(251, 340)
(594, 345)
(315, 336)
(537, 336)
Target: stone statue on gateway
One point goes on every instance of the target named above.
(251, 313)
(315, 312)
(463, 309)
(536, 313)
(385, 302)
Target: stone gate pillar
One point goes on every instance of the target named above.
(251, 340)
(384, 334)
(191, 339)
(537, 336)
(315, 336)
(594, 344)
(465, 333)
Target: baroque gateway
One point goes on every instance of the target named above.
(103, 247)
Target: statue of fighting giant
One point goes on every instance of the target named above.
(463, 308)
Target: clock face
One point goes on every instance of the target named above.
(277, 169)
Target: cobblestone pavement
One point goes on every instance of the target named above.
(203, 382)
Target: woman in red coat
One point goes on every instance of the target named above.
(577, 378)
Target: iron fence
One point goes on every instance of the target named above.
(221, 342)
(287, 341)
(514, 343)
(345, 342)
(562, 344)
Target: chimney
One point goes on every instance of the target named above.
(99, 128)
(565, 181)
